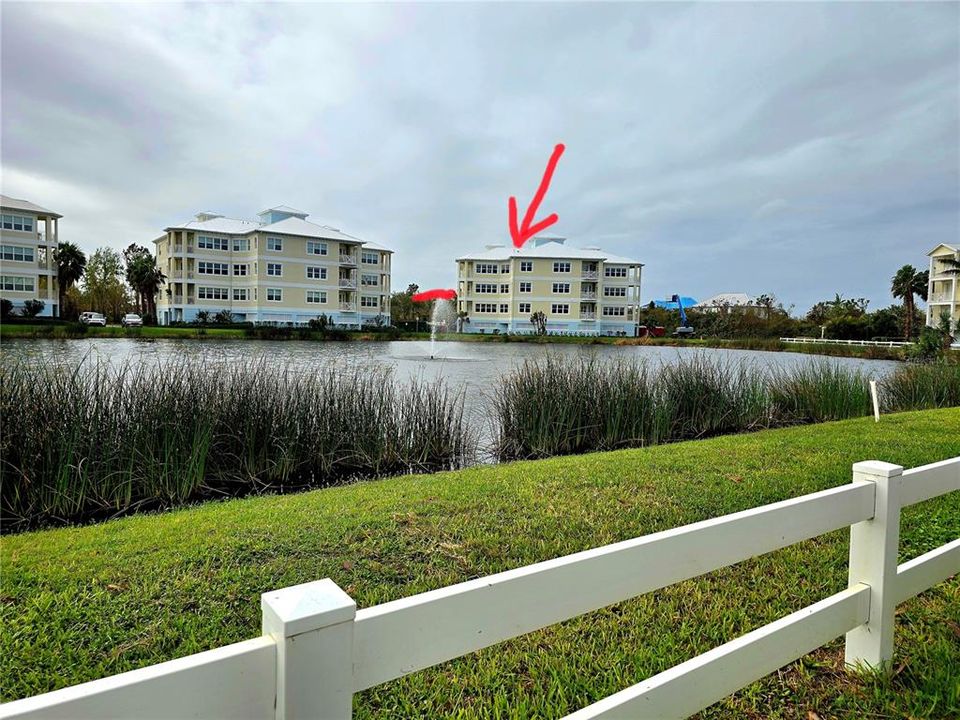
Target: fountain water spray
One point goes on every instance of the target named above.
(441, 319)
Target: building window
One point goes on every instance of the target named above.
(241, 244)
(369, 301)
(315, 272)
(275, 243)
(486, 288)
(274, 295)
(20, 284)
(487, 269)
(614, 292)
(615, 272)
(561, 267)
(560, 309)
(274, 269)
(504, 308)
(369, 258)
(17, 253)
(369, 280)
(241, 269)
(524, 307)
(316, 297)
(316, 248)
(213, 293)
(561, 288)
(526, 287)
(212, 243)
(241, 294)
(212, 268)
(504, 289)
(485, 307)
(18, 222)
(505, 269)
(614, 311)
(526, 266)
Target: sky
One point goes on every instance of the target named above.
(798, 149)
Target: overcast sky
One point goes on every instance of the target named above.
(794, 149)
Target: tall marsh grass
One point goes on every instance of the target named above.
(92, 440)
(553, 407)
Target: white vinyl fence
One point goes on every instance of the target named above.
(828, 341)
(317, 650)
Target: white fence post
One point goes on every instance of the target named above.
(312, 625)
(873, 561)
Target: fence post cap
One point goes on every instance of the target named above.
(302, 608)
(878, 468)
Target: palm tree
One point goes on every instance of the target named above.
(145, 278)
(907, 283)
(71, 263)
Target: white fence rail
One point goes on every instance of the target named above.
(316, 650)
(828, 341)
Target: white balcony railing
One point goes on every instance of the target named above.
(348, 260)
(589, 275)
(347, 307)
(191, 301)
(348, 284)
(588, 316)
(588, 295)
(943, 297)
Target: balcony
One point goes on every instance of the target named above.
(189, 248)
(589, 295)
(348, 284)
(588, 316)
(176, 299)
(347, 307)
(589, 275)
(178, 248)
(348, 260)
(943, 297)
(191, 301)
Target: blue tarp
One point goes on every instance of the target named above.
(688, 302)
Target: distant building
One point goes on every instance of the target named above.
(943, 291)
(279, 269)
(579, 290)
(29, 235)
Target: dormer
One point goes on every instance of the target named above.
(544, 239)
(281, 212)
(204, 216)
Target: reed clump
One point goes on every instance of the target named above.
(553, 407)
(90, 440)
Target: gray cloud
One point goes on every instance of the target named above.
(800, 149)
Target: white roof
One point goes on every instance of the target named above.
(547, 247)
(722, 299)
(284, 209)
(288, 226)
(10, 203)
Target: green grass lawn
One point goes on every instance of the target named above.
(82, 603)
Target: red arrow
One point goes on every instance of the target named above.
(438, 294)
(523, 233)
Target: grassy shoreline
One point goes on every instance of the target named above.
(61, 332)
(82, 603)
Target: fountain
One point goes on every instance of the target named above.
(441, 320)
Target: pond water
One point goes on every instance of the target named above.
(471, 366)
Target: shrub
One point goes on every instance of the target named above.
(32, 308)
(6, 307)
(224, 317)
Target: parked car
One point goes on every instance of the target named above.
(131, 320)
(93, 318)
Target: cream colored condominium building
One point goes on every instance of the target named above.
(278, 269)
(579, 290)
(943, 292)
(28, 238)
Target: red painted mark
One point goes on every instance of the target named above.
(525, 231)
(438, 294)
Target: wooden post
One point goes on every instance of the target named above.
(312, 625)
(873, 561)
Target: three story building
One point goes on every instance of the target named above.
(29, 235)
(579, 290)
(943, 292)
(280, 269)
